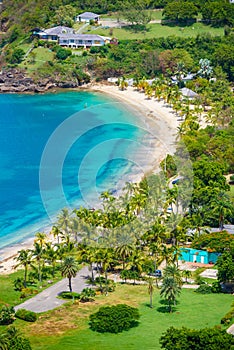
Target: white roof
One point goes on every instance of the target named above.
(188, 93)
(81, 36)
(58, 30)
(88, 15)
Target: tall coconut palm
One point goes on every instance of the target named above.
(173, 271)
(69, 269)
(64, 221)
(51, 255)
(38, 256)
(187, 274)
(170, 291)
(151, 290)
(55, 231)
(24, 259)
(124, 250)
(223, 207)
(41, 238)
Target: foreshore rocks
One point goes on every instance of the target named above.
(15, 81)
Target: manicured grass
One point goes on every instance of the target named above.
(42, 55)
(68, 327)
(7, 293)
(157, 31)
(9, 296)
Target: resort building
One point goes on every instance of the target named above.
(82, 40)
(52, 33)
(88, 16)
(198, 256)
(66, 36)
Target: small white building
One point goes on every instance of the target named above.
(88, 16)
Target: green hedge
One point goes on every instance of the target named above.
(114, 319)
(26, 315)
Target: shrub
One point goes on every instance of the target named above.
(87, 294)
(114, 319)
(229, 316)
(26, 315)
(7, 315)
(69, 295)
(216, 287)
(26, 292)
(199, 280)
(62, 53)
(19, 284)
(204, 289)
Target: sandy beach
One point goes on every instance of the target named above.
(157, 117)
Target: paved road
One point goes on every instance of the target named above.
(47, 300)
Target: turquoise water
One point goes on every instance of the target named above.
(53, 156)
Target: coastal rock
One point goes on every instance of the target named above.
(15, 80)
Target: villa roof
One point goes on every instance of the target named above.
(81, 36)
(59, 30)
(88, 15)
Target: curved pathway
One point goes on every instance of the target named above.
(47, 300)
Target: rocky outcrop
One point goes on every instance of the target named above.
(14, 80)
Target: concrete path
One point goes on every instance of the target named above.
(47, 300)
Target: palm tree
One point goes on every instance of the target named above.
(64, 221)
(151, 290)
(55, 231)
(174, 272)
(87, 255)
(51, 254)
(223, 207)
(124, 250)
(69, 269)
(38, 253)
(170, 290)
(41, 238)
(24, 259)
(187, 274)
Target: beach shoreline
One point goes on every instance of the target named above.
(155, 115)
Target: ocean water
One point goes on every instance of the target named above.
(60, 150)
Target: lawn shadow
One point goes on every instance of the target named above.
(165, 309)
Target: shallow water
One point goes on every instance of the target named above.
(60, 150)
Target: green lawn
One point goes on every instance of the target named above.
(42, 55)
(157, 31)
(67, 328)
(7, 293)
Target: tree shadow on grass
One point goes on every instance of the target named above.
(165, 308)
(137, 28)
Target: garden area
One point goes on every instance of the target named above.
(68, 326)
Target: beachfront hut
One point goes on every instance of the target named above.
(199, 256)
(88, 16)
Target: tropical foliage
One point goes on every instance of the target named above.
(185, 338)
(114, 319)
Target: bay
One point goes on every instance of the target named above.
(60, 150)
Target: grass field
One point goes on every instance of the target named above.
(42, 55)
(157, 31)
(67, 328)
(8, 295)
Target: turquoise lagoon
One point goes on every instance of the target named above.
(60, 150)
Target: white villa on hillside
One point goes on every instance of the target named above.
(82, 40)
(66, 36)
(87, 16)
(53, 33)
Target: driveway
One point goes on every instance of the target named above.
(47, 300)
